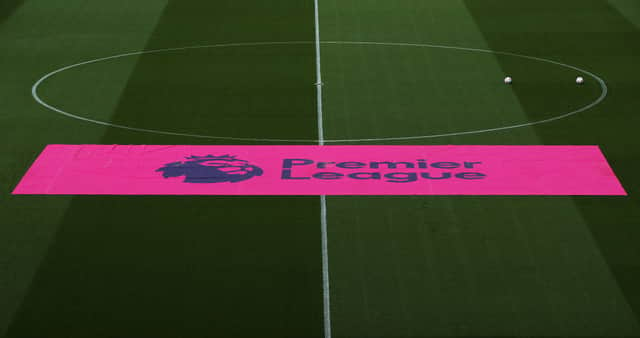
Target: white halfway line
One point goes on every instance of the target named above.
(326, 295)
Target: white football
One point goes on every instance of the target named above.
(508, 80)
(579, 80)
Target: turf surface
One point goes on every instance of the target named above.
(486, 266)
(179, 266)
(246, 267)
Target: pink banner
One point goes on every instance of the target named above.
(320, 170)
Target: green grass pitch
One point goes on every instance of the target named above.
(423, 266)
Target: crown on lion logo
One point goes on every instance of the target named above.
(211, 157)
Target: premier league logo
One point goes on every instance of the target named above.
(211, 169)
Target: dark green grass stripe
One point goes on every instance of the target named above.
(593, 35)
(179, 267)
(8, 7)
(185, 266)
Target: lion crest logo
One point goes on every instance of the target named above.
(211, 169)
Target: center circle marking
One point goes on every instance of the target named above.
(599, 80)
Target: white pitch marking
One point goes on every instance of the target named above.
(326, 293)
(601, 82)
